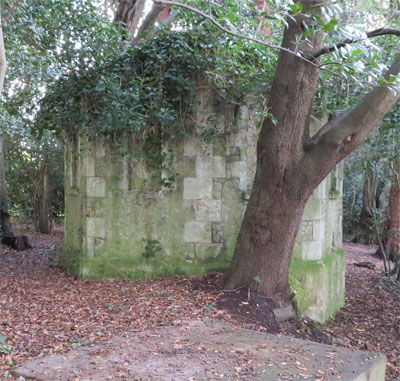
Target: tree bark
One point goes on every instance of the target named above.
(372, 190)
(263, 26)
(279, 195)
(291, 164)
(6, 228)
(5, 224)
(391, 235)
(44, 222)
(129, 13)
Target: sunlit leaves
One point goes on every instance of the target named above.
(296, 7)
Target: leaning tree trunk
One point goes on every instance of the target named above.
(277, 202)
(291, 164)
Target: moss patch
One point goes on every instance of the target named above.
(319, 285)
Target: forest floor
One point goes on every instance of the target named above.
(44, 310)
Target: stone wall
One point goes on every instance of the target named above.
(122, 221)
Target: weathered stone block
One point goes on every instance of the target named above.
(210, 166)
(318, 230)
(197, 188)
(311, 250)
(241, 139)
(313, 210)
(88, 165)
(239, 169)
(93, 244)
(219, 146)
(95, 187)
(95, 227)
(90, 246)
(206, 251)
(320, 192)
(100, 150)
(217, 232)
(185, 166)
(244, 113)
(319, 285)
(208, 210)
(193, 146)
(196, 232)
(217, 186)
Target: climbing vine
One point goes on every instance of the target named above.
(152, 87)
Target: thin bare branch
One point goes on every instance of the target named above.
(231, 32)
(372, 33)
(9, 13)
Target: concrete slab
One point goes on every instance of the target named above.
(207, 351)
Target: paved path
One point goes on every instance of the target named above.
(207, 351)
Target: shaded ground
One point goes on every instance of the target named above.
(370, 319)
(198, 351)
(43, 310)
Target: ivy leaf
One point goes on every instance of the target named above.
(296, 7)
(331, 25)
(357, 52)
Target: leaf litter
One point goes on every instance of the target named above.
(44, 310)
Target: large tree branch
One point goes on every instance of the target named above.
(373, 33)
(233, 33)
(342, 135)
(150, 17)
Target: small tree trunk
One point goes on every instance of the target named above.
(370, 188)
(391, 239)
(6, 228)
(44, 223)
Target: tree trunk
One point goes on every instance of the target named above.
(372, 191)
(291, 164)
(391, 239)
(5, 224)
(44, 223)
(279, 195)
(6, 229)
(265, 244)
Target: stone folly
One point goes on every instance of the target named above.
(127, 219)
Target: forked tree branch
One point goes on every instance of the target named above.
(232, 33)
(343, 134)
(372, 33)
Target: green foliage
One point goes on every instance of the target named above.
(152, 248)
(25, 156)
(44, 39)
(375, 157)
(151, 86)
(70, 259)
(4, 348)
